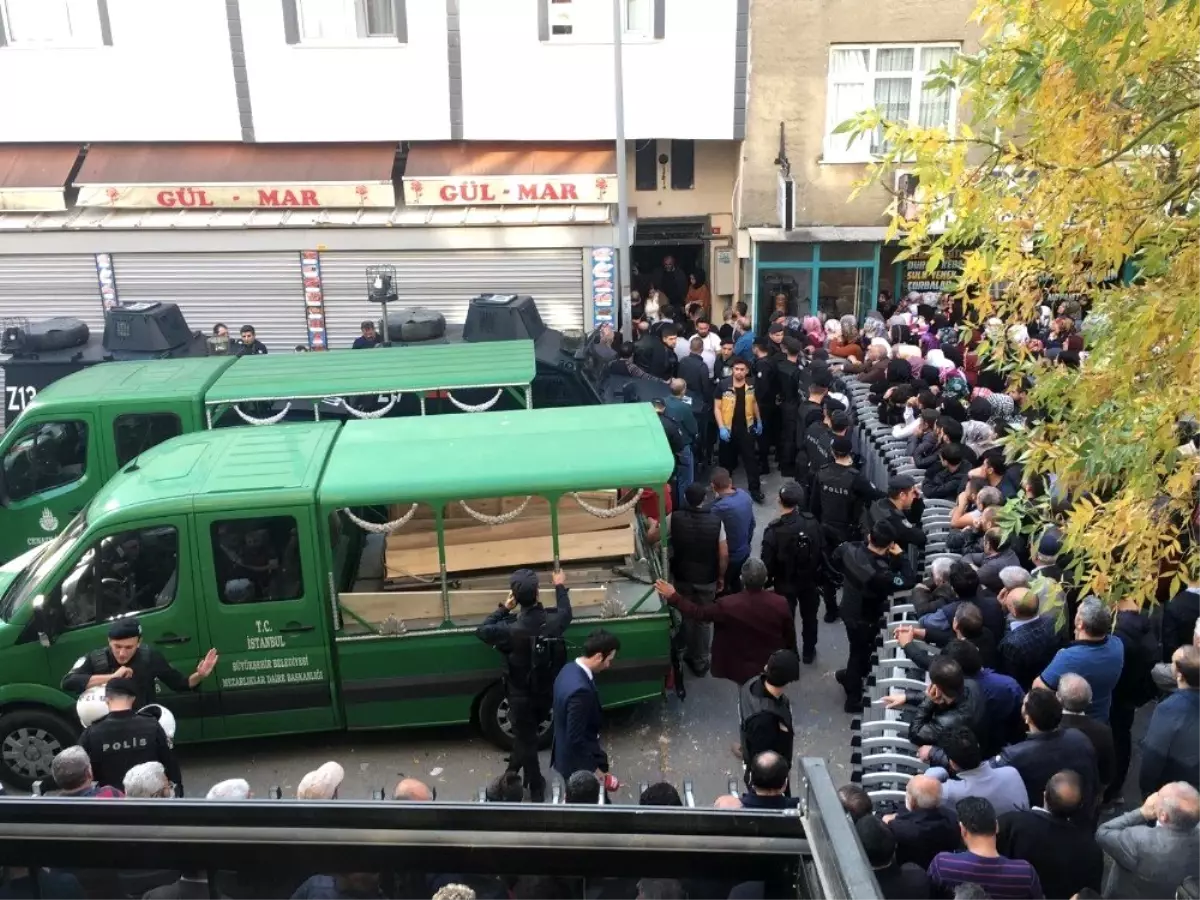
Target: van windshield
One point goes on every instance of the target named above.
(41, 565)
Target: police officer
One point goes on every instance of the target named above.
(902, 509)
(809, 410)
(765, 710)
(124, 739)
(792, 548)
(125, 657)
(531, 641)
(840, 493)
(787, 381)
(765, 393)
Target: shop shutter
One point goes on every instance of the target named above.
(260, 289)
(42, 287)
(447, 280)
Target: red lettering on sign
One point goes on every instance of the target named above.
(268, 198)
(485, 193)
(568, 192)
(448, 193)
(527, 192)
(308, 198)
(165, 198)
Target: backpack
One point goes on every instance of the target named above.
(547, 658)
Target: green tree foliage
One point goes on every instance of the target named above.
(1078, 155)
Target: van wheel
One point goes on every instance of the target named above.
(29, 741)
(495, 724)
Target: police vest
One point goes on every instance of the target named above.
(694, 537)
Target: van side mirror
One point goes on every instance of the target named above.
(41, 621)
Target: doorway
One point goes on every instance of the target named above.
(680, 238)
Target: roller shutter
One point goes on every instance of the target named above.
(41, 287)
(260, 289)
(447, 280)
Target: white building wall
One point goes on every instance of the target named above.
(375, 89)
(517, 87)
(167, 77)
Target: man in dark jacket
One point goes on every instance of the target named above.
(950, 701)
(1030, 641)
(837, 497)
(749, 625)
(787, 386)
(1135, 688)
(1171, 747)
(872, 570)
(699, 557)
(792, 548)
(531, 641)
(695, 374)
(996, 555)
(1065, 855)
(897, 881)
(124, 739)
(901, 509)
(1049, 748)
(577, 720)
(656, 352)
(769, 783)
(1075, 695)
(925, 828)
(765, 392)
(947, 482)
(669, 279)
(1179, 620)
(764, 711)
(808, 411)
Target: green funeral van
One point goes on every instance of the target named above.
(81, 429)
(340, 570)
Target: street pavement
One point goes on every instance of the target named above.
(665, 739)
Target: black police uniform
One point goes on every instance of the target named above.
(529, 686)
(906, 525)
(838, 497)
(787, 378)
(147, 664)
(817, 438)
(792, 549)
(124, 739)
(765, 393)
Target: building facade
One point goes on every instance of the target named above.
(800, 233)
(249, 159)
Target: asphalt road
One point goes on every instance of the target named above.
(662, 739)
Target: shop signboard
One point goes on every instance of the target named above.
(238, 196)
(603, 278)
(493, 190)
(32, 199)
(942, 280)
(314, 299)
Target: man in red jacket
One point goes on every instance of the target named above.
(749, 625)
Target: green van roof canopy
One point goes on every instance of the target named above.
(545, 451)
(383, 370)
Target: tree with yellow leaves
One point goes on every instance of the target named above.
(1079, 156)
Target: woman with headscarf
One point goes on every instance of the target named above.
(814, 332)
(698, 292)
(781, 308)
(841, 344)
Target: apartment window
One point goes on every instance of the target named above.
(683, 165)
(591, 20)
(892, 79)
(645, 165)
(342, 21)
(50, 23)
(639, 17)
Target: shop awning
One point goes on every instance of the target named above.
(480, 174)
(237, 176)
(33, 177)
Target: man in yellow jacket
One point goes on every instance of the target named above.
(738, 422)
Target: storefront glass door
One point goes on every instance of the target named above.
(835, 279)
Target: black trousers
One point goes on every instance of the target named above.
(787, 440)
(525, 712)
(808, 602)
(741, 446)
(861, 638)
(770, 437)
(1120, 720)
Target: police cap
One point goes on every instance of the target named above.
(899, 483)
(839, 420)
(842, 446)
(524, 586)
(120, 687)
(822, 377)
(122, 629)
(792, 494)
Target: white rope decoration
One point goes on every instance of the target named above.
(501, 519)
(479, 407)
(270, 420)
(377, 414)
(600, 513)
(385, 527)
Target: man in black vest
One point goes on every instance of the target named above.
(124, 739)
(810, 410)
(787, 378)
(765, 711)
(792, 548)
(699, 557)
(839, 495)
(528, 641)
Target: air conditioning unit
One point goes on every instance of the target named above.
(786, 203)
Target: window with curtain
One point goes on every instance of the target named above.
(48, 22)
(345, 20)
(891, 79)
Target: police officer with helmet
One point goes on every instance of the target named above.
(124, 739)
(531, 640)
(793, 549)
(126, 657)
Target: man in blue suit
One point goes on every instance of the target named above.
(577, 709)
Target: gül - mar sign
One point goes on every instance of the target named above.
(239, 196)
(495, 190)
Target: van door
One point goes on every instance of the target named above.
(144, 570)
(269, 622)
(126, 433)
(49, 469)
